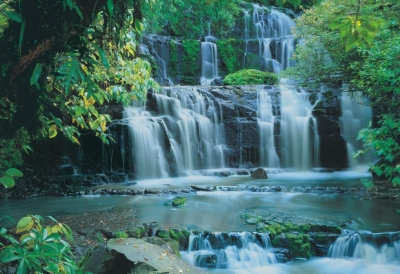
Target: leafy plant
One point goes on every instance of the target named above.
(8, 178)
(39, 248)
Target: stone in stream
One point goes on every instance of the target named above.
(259, 173)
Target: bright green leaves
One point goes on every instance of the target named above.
(39, 248)
(25, 224)
(8, 179)
(110, 7)
(36, 74)
(357, 30)
(70, 71)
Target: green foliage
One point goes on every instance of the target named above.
(11, 149)
(251, 77)
(69, 63)
(200, 16)
(120, 234)
(379, 76)
(356, 30)
(231, 52)
(191, 54)
(8, 178)
(39, 248)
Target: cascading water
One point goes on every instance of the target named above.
(183, 132)
(356, 115)
(371, 247)
(299, 136)
(209, 62)
(229, 250)
(266, 124)
(273, 32)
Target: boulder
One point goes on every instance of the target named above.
(138, 256)
(259, 173)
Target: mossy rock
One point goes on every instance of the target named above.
(299, 245)
(162, 233)
(120, 234)
(137, 232)
(251, 77)
(175, 233)
(174, 246)
(178, 201)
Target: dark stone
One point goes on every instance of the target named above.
(259, 173)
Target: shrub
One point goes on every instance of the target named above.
(251, 77)
(39, 249)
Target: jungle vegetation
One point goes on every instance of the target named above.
(63, 63)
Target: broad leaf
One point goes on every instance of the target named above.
(13, 15)
(80, 111)
(36, 74)
(14, 172)
(25, 224)
(110, 7)
(7, 181)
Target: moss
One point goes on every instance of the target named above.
(191, 53)
(231, 53)
(174, 246)
(162, 233)
(299, 245)
(175, 233)
(251, 77)
(120, 234)
(178, 201)
(186, 233)
(137, 232)
(173, 68)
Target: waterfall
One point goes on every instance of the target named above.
(266, 124)
(299, 136)
(181, 132)
(272, 30)
(209, 62)
(356, 114)
(229, 250)
(371, 247)
(158, 47)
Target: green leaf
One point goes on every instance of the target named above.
(52, 131)
(21, 36)
(6, 258)
(7, 181)
(102, 55)
(110, 7)
(80, 110)
(13, 172)
(13, 15)
(24, 224)
(22, 267)
(78, 11)
(36, 74)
